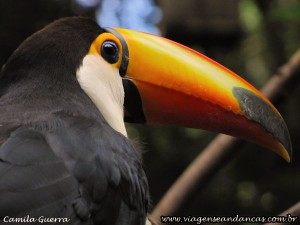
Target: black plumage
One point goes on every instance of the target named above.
(58, 157)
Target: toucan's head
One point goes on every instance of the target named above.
(149, 79)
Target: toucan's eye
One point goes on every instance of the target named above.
(110, 51)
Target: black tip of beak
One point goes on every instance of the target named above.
(257, 110)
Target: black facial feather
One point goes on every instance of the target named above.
(58, 49)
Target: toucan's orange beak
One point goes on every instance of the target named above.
(176, 85)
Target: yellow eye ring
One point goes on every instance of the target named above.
(112, 47)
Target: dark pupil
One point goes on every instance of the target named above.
(109, 49)
(110, 52)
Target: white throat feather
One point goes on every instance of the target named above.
(103, 84)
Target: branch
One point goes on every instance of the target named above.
(220, 151)
(294, 211)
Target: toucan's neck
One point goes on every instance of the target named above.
(27, 101)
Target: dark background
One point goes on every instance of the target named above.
(252, 38)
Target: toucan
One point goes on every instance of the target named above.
(65, 93)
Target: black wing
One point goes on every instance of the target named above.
(79, 170)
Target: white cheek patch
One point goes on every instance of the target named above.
(103, 84)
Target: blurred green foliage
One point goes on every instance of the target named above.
(255, 182)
